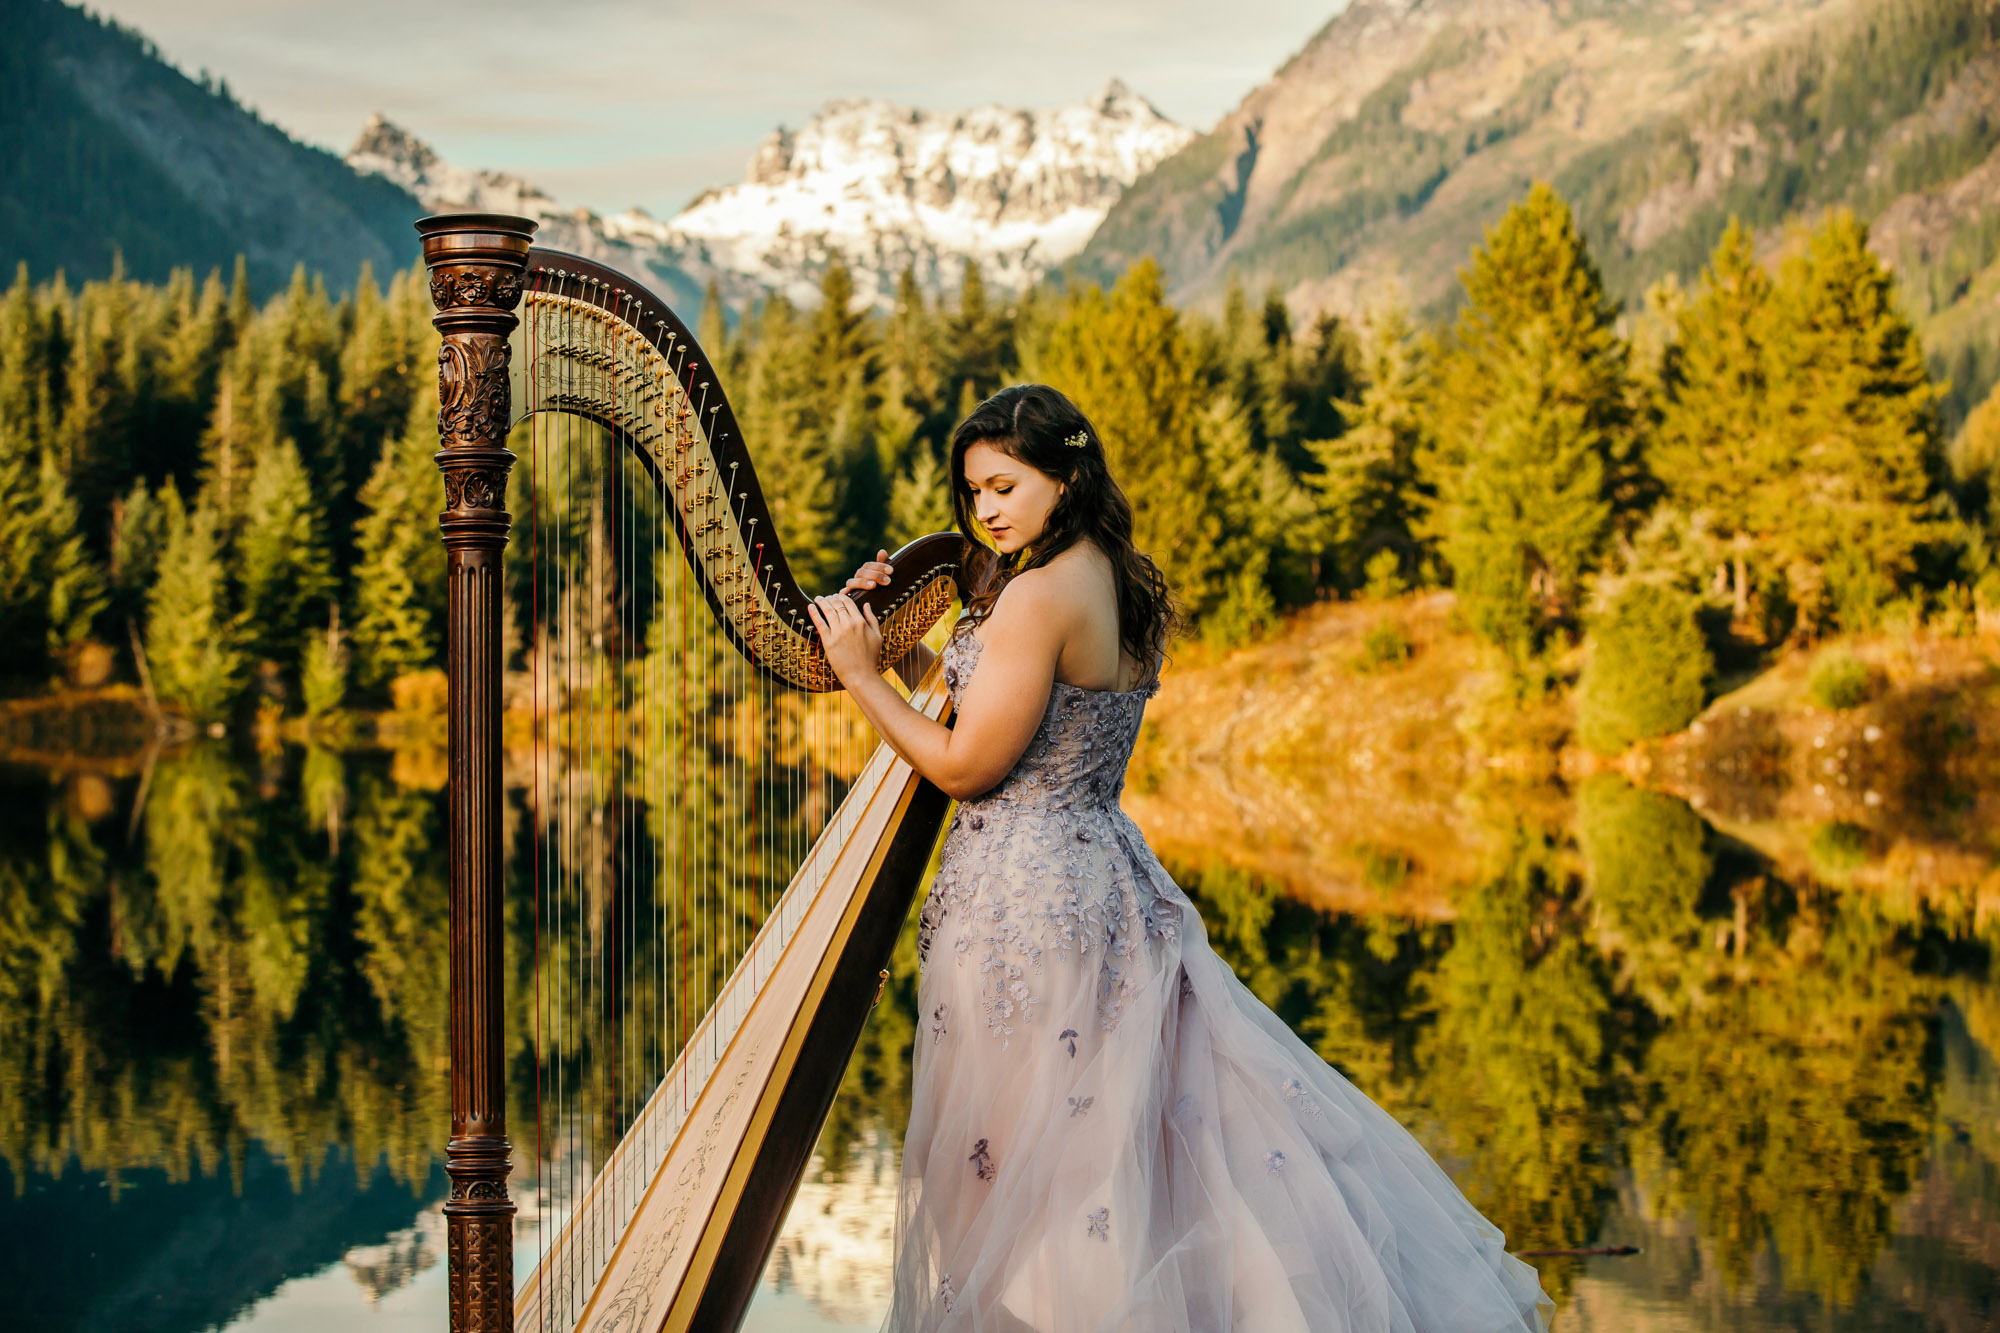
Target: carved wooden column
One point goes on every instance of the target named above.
(476, 262)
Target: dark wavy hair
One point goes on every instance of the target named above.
(1036, 425)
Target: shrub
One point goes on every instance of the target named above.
(1647, 854)
(1382, 647)
(425, 693)
(1838, 848)
(1648, 670)
(1384, 575)
(1839, 679)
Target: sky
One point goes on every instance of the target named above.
(612, 103)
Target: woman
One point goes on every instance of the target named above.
(1107, 1130)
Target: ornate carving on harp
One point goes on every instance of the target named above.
(716, 865)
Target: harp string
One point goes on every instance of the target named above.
(675, 788)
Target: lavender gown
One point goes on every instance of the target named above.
(1108, 1131)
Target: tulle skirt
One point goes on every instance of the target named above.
(1109, 1132)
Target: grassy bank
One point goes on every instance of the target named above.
(1359, 777)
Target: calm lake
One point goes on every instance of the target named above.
(222, 1044)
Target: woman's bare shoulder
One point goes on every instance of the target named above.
(1068, 585)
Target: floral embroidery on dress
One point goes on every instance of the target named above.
(1040, 866)
(1100, 1224)
(982, 1161)
(1079, 1105)
(1068, 1035)
(937, 1025)
(1184, 1111)
(1295, 1091)
(1274, 1161)
(945, 1293)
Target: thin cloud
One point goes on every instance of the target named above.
(608, 104)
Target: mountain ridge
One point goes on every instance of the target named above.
(885, 186)
(1368, 167)
(108, 153)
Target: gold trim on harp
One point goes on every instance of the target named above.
(608, 371)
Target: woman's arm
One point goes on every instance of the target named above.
(1004, 703)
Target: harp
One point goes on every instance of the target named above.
(720, 864)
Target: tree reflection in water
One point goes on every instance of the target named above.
(1630, 1029)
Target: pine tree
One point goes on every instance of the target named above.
(782, 410)
(977, 338)
(74, 583)
(1367, 483)
(388, 346)
(1975, 454)
(323, 672)
(1847, 505)
(281, 560)
(712, 332)
(1533, 443)
(1715, 450)
(193, 641)
(398, 570)
(190, 365)
(844, 360)
(137, 530)
(1124, 359)
(919, 499)
(912, 383)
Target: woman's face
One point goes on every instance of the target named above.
(1011, 500)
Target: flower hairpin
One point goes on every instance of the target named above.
(1078, 440)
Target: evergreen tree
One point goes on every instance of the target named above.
(912, 383)
(978, 336)
(1534, 447)
(193, 641)
(1855, 463)
(190, 365)
(1367, 481)
(712, 331)
(281, 559)
(137, 529)
(919, 500)
(323, 673)
(388, 345)
(784, 413)
(843, 354)
(1975, 454)
(1715, 450)
(398, 588)
(1124, 359)
(278, 384)
(51, 588)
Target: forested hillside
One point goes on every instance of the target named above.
(1756, 464)
(107, 152)
(1371, 164)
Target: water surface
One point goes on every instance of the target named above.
(222, 1041)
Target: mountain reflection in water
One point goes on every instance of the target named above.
(222, 1042)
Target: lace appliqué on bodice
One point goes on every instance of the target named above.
(1045, 868)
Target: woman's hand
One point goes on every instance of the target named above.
(874, 574)
(848, 634)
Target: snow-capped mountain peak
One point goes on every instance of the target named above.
(885, 186)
